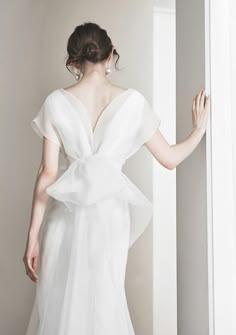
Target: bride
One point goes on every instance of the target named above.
(84, 221)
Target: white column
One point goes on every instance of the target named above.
(164, 181)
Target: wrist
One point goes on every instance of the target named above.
(32, 235)
(199, 130)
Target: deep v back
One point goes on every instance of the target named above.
(104, 110)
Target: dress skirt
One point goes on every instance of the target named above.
(82, 265)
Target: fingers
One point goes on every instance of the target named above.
(34, 265)
(30, 270)
(198, 97)
(200, 109)
(207, 102)
(194, 104)
(202, 99)
(31, 276)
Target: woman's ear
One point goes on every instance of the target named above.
(111, 55)
(77, 66)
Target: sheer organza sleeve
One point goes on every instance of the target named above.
(149, 122)
(43, 123)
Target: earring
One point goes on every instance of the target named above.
(107, 70)
(77, 74)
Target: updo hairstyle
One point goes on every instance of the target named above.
(89, 42)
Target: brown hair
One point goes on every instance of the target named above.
(89, 42)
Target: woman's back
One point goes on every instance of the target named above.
(95, 97)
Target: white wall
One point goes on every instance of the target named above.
(164, 186)
(34, 36)
(223, 142)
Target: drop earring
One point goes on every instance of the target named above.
(107, 70)
(77, 74)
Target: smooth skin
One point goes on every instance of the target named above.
(95, 88)
(170, 156)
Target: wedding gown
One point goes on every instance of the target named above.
(93, 216)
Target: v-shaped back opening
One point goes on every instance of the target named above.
(105, 109)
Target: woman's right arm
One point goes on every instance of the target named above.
(170, 156)
(46, 175)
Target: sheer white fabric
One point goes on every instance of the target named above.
(94, 215)
(43, 123)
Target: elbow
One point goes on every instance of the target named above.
(48, 171)
(47, 177)
(170, 165)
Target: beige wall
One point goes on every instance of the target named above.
(33, 45)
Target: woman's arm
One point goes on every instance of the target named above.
(170, 156)
(46, 175)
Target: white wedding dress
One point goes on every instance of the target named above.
(94, 214)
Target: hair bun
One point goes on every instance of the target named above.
(88, 42)
(91, 52)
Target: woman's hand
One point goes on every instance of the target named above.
(170, 156)
(30, 258)
(200, 110)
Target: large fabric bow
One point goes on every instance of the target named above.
(91, 179)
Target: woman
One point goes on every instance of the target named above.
(94, 212)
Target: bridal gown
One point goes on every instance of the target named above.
(93, 215)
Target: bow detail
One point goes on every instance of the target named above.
(88, 180)
(91, 179)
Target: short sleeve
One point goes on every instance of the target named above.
(149, 122)
(43, 123)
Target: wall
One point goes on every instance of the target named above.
(192, 274)
(164, 181)
(21, 24)
(35, 35)
(222, 53)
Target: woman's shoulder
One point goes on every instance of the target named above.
(49, 103)
(121, 89)
(52, 94)
(55, 94)
(141, 98)
(52, 99)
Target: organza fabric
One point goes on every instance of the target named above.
(94, 215)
